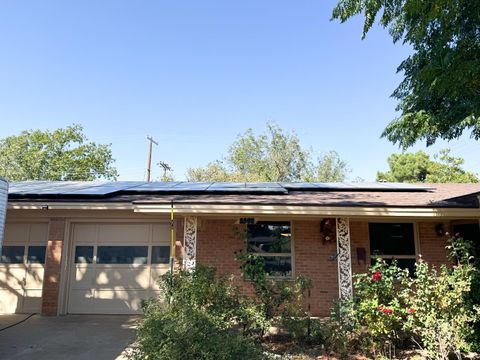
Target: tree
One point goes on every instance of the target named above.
(271, 156)
(419, 167)
(64, 154)
(439, 96)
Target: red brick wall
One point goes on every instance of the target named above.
(359, 240)
(51, 281)
(217, 243)
(432, 246)
(312, 261)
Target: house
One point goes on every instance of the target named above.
(90, 247)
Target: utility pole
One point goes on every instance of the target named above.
(166, 168)
(149, 163)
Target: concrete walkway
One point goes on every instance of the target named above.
(76, 337)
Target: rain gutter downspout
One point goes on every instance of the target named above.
(3, 208)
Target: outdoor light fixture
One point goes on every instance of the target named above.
(439, 229)
(327, 230)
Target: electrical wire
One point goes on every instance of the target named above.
(17, 323)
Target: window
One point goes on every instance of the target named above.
(36, 254)
(391, 241)
(122, 254)
(12, 254)
(273, 241)
(83, 254)
(160, 254)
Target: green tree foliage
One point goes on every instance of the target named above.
(271, 156)
(63, 154)
(203, 317)
(439, 95)
(419, 167)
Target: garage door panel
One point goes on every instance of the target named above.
(126, 277)
(123, 233)
(34, 277)
(161, 234)
(118, 301)
(16, 233)
(81, 301)
(21, 276)
(116, 274)
(11, 276)
(11, 301)
(32, 301)
(84, 277)
(85, 233)
(38, 234)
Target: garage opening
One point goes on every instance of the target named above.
(114, 266)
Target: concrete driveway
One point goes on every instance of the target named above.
(75, 337)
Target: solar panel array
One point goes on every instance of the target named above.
(99, 188)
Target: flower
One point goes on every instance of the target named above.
(380, 307)
(411, 310)
(376, 276)
(387, 311)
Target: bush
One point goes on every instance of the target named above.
(434, 310)
(282, 300)
(198, 319)
(443, 316)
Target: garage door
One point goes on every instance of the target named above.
(115, 266)
(22, 264)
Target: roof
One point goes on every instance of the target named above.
(274, 193)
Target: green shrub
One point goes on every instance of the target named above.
(198, 319)
(434, 310)
(443, 317)
(190, 334)
(282, 299)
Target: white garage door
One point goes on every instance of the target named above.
(22, 264)
(116, 265)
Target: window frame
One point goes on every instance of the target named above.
(291, 255)
(416, 241)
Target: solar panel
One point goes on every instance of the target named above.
(241, 187)
(98, 188)
(106, 188)
(154, 186)
(191, 186)
(48, 187)
(313, 186)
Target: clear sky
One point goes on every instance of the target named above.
(194, 74)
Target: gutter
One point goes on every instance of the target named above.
(248, 210)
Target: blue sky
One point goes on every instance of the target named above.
(194, 74)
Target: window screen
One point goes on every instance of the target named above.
(122, 254)
(12, 254)
(272, 241)
(269, 237)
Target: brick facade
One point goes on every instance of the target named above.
(51, 281)
(217, 243)
(432, 246)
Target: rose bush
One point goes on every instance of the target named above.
(433, 310)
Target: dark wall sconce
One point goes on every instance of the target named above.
(439, 229)
(327, 230)
(361, 255)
